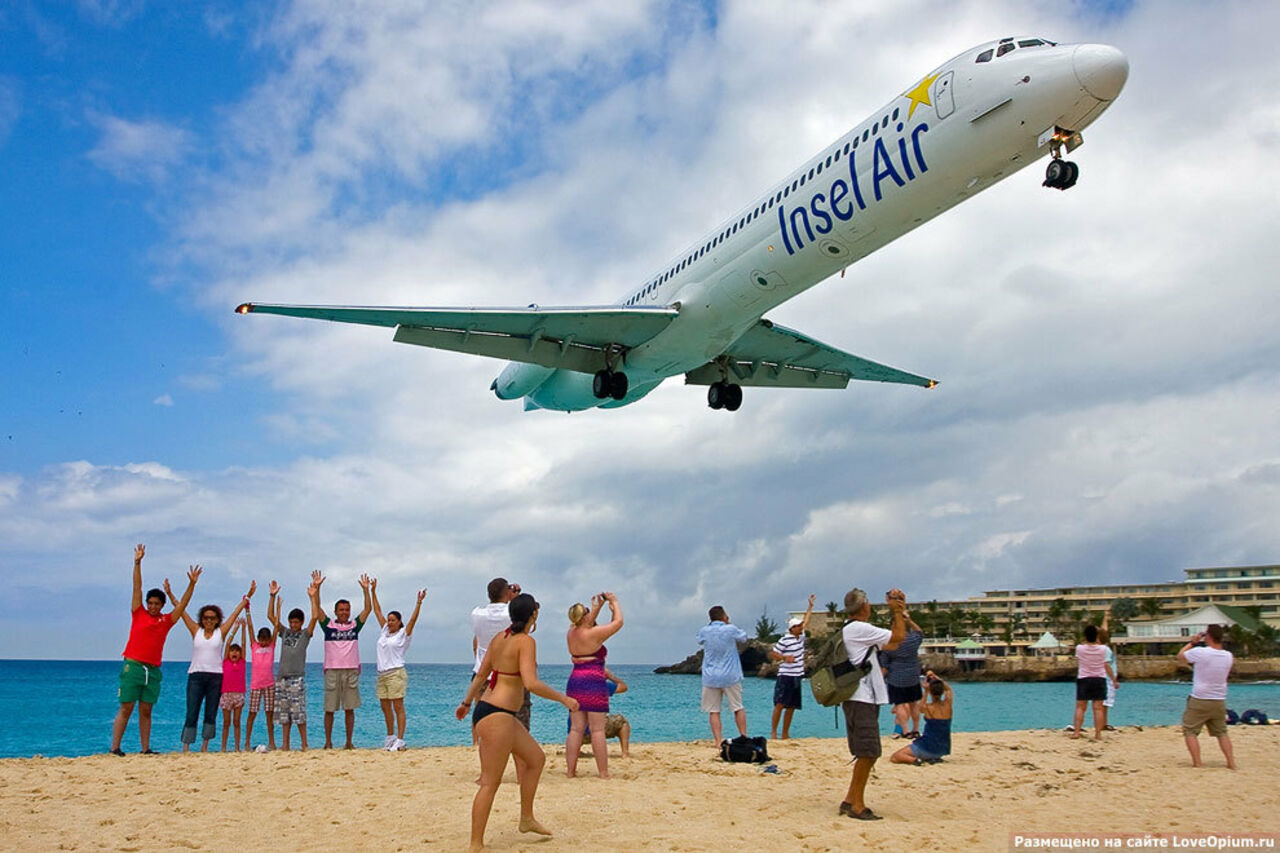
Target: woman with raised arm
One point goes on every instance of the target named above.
(587, 682)
(393, 680)
(509, 667)
(204, 675)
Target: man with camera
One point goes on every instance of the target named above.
(1210, 665)
(862, 711)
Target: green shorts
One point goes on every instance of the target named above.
(139, 682)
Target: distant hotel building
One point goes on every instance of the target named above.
(1025, 613)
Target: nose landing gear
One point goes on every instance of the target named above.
(724, 395)
(1061, 174)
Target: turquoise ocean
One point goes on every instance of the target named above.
(74, 703)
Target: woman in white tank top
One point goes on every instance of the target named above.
(204, 676)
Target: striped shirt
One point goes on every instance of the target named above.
(790, 644)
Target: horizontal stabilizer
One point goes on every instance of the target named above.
(778, 357)
(568, 338)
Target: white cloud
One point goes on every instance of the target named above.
(163, 400)
(145, 150)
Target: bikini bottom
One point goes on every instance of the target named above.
(484, 709)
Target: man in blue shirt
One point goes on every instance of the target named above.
(722, 670)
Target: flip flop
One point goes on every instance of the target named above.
(117, 751)
(866, 814)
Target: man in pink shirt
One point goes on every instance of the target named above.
(341, 657)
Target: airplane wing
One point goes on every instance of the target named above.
(568, 338)
(778, 357)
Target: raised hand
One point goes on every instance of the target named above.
(610, 597)
(317, 579)
(312, 590)
(422, 593)
(193, 574)
(274, 588)
(373, 583)
(812, 598)
(364, 582)
(139, 552)
(253, 587)
(168, 590)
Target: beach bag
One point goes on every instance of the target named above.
(835, 678)
(752, 750)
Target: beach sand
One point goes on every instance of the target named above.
(667, 796)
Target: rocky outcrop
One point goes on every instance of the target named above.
(754, 656)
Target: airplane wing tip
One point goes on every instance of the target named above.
(931, 384)
(244, 307)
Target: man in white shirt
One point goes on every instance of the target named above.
(862, 711)
(1210, 665)
(489, 620)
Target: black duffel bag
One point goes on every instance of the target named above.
(753, 750)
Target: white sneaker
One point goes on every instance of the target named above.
(398, 746)
(386, 744)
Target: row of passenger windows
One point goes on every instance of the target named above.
(1008, 46)
(764, 206)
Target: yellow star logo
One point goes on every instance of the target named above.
(920, 94)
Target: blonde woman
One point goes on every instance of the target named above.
(587, 682)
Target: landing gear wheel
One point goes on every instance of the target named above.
(617, 385)
(716, 395)
(733, 397)
(1073, 173)
(602, 384)
(1061, 174)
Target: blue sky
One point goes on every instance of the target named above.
(1108, 354)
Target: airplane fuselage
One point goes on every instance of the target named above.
(967, 125)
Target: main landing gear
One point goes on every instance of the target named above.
(607, 383)
(724, 395)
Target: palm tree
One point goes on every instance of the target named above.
(766, 628)
(1123, 609)
(1151, 607)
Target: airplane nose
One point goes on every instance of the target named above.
(1101, 69)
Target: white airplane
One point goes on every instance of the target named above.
(964, 126)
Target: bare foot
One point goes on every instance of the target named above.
(529, 824)
(1075, 736)
(477, 848)
(569, 775)
(605, 776)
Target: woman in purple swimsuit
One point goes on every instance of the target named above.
(587, 683)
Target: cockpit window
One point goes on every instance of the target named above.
(1030, 43)
(1004, 48)
(985, 56)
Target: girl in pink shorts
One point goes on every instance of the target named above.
(232, 701)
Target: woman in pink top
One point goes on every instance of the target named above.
(1091, 682)
(232, 701)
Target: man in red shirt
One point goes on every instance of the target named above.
(140, 675)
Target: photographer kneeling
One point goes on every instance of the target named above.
(936, 740)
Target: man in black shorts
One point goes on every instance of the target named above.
(786, 690)
(862, 712)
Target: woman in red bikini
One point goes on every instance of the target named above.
(510, 666)
(587, 682)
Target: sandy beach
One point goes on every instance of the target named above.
(667, 796)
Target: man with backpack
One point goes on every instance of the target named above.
(862, 711)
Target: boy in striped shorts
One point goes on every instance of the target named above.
(291, 685)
